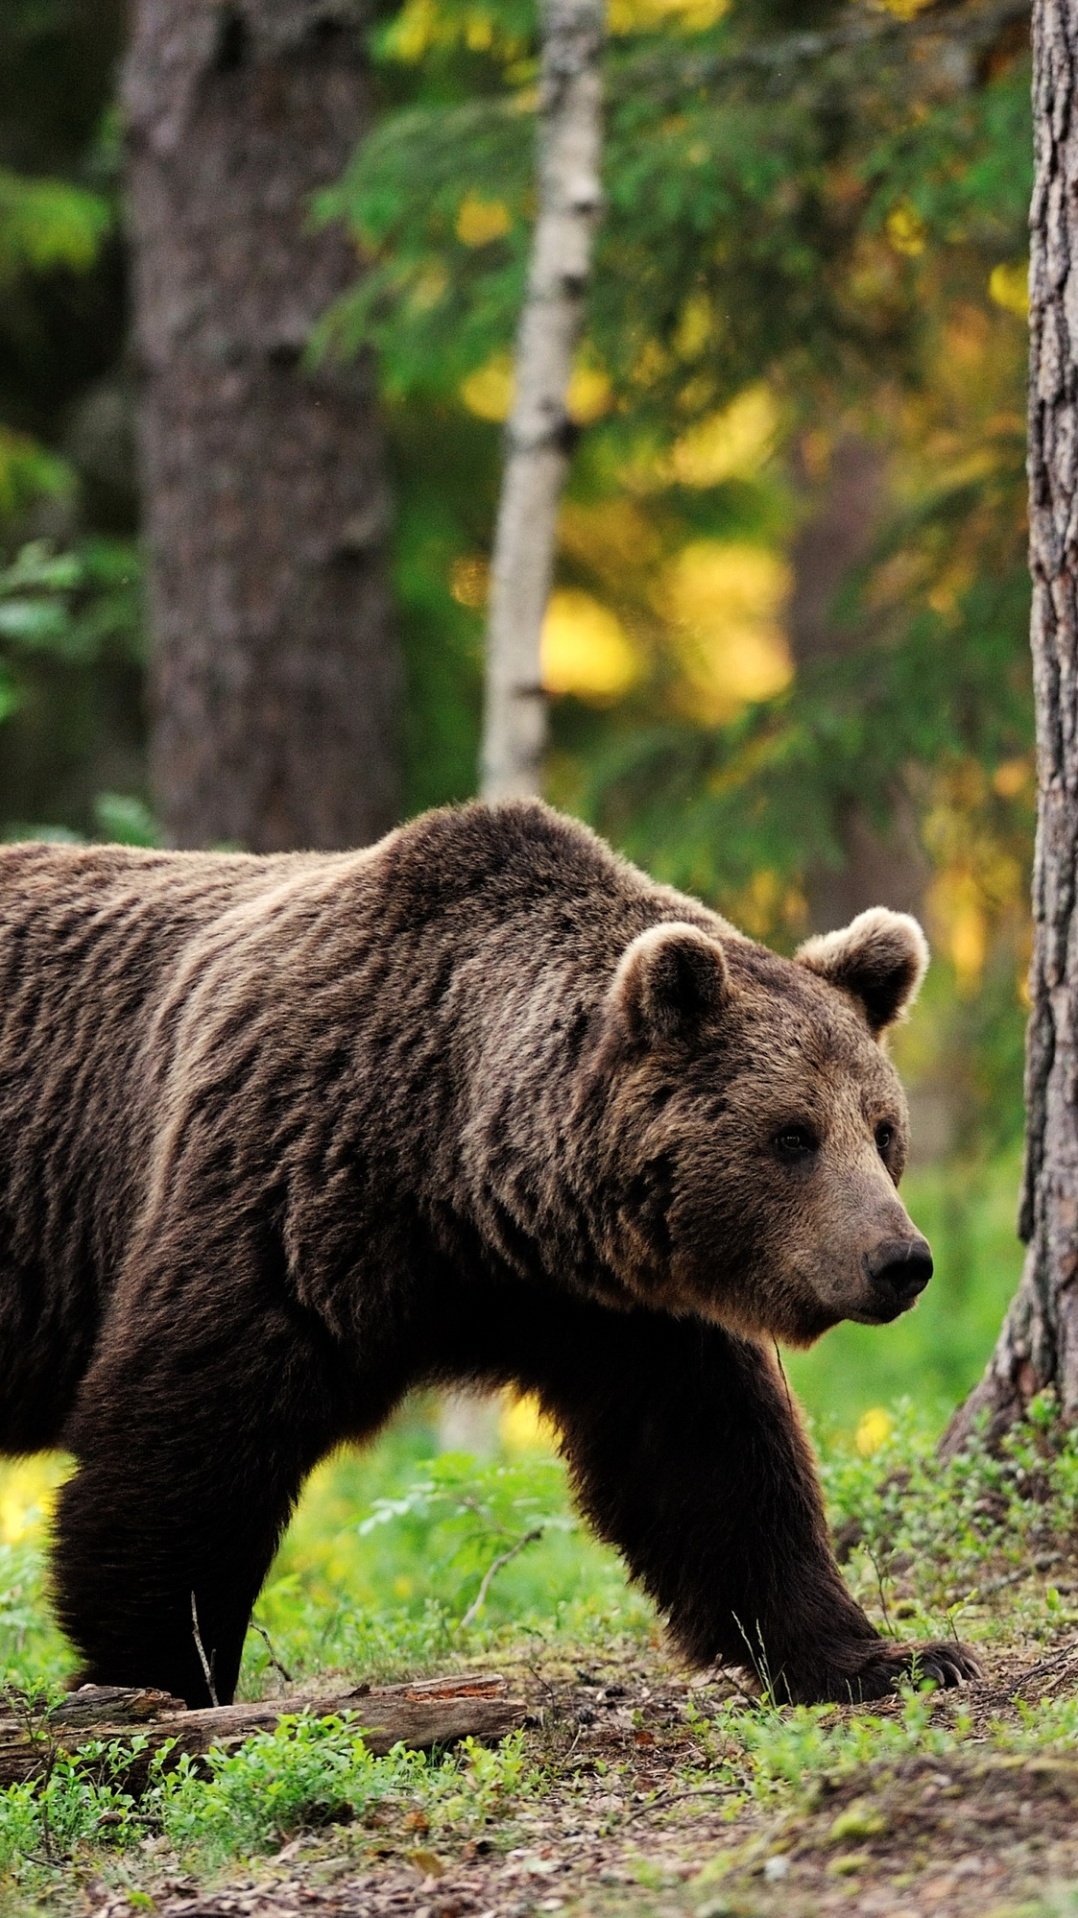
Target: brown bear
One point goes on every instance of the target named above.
(281, 1138)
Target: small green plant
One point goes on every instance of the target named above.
(80, 1801)
(304, 1774)
(478, 1516)
(310, 1773)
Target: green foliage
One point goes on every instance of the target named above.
(28, 473)
(389, 1550)
(33, 1656)
(304, 1775)
(965, 169)
(49, 223)
(125, 820)
(469, 1517)
(43, 1824)
(77, 605)
(70, 687)
(968, 1544)
(308, 1773)
(748, 187)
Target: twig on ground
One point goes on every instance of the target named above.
(875, 1564)
(281, 1670)
(207, 1668)
(666, 1798)
(502, 1560)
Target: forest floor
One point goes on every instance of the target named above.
(635, 1789)
(954, 1804)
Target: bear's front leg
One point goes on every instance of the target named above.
(193, 1433)
(687, 1454)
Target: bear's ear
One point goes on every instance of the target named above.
(880, 958)
(669, 981)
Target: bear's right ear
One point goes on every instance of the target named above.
(669, 982)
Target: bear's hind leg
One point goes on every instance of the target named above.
(193, 1440)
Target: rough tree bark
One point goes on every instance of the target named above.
(275, 667)
(1038, 1345)
(539, 435)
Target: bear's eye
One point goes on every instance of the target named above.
(885, 1138)
(795, 1141)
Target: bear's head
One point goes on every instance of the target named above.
(752, 1129)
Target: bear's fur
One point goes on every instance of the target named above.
(281, 1138)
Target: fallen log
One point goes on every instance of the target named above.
(422, 1714)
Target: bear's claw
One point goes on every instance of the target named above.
(880, 1669)
(945, 1663)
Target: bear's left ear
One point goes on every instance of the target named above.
(880, 958)
(669, 981)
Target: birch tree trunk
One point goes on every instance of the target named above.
(539, 440)
(539, 435)
(1038, 1345)
(275, 671)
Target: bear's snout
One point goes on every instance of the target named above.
(898, 1271)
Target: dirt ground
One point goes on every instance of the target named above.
(967, 1837)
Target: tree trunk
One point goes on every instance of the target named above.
(836, 536)
(539, 434)
(275, 672)
(1038, 1345)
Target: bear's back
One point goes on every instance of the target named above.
(89, 938)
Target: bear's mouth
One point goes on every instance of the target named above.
(882, 1310)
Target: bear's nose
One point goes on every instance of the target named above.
(901, 1268)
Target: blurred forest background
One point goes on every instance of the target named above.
(787, 652)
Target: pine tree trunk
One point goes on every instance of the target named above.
(539, 432)
(1038, 1345)
(275, 673)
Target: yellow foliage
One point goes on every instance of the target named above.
(651, 364)
(585, 649)
(27, 1495)
(488, 392)
(590, 395)
(524, 1427)
(727, 600)
(695, 327)
(481, 221)
(415, 30)
(469, 580)
(640, 16)
(430, 288)
(969, 944)
(736, 441)
(613, 538)
(767, 902)
(1008, 286)
(873, 1430)
(958, 906)
(423, 24)
(905, 229)
(1011, 777)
